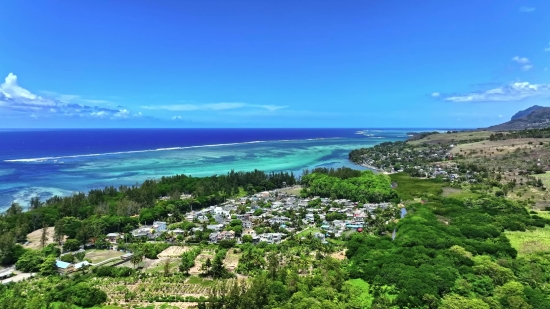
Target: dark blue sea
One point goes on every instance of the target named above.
(59, 162)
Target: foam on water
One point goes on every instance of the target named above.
(44, 159)
(45, 177)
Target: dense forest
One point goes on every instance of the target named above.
(367, 187)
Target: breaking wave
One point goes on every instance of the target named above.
(43, 159)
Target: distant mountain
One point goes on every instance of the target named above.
(526, 111)
(537, 118)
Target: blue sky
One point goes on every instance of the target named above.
(135, 63)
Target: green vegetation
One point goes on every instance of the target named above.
(530, 133)
(368, 187)
(409, 187)
(530, 241)
(459, 246)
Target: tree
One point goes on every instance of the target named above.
(247, 238)
(206, 267)
(35, 203)
(273, 264)
(188, 260)
(30, 261)
(51, 249)
(71, 245)
(218, 270)
(49, 266)
(44, 236)
(80, 256)
(14, 210)
(68, 258)
(137, 257)
(166, 268)
(454, 301)
(8, 249)
(83, 295)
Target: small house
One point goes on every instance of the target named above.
(113, 237)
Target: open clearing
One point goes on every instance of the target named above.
(499, 147)
(231, 260)
(545, 178)
(292, 190)
(34, 238)
(444, 137)
(157, 266)
(97, 256)
(173, 252)
(340, 255)
(201, 258)
(537, 240)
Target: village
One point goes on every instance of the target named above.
(268, 216)
(424, 161)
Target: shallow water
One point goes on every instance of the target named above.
(61, 173)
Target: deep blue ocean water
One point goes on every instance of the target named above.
(59, 162)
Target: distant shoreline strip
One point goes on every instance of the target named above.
(160, 149)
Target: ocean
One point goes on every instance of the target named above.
(45, 163)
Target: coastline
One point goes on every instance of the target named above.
(26, 178)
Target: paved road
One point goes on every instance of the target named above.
(19, 277)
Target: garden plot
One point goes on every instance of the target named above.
(201, 258)
(173, 252)
(231, 260)
(157, 266)
(127, 292)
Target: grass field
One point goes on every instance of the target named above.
(97, 256)
(545, 179)
(158, 266)
(498, 147)
(304, 233)
(231, 260)
(293, 190)
(444, 137)
(458, 193)
(537, 240)
(408, 187)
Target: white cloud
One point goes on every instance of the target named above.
(521, 60)
(123, 113)
(176, 118)
(20, 101)
(11, 92)
(100, 114)
(194, 107)
(436, 94)
(547, 48)
(512, 92)
(499, 116)
(527, 67)
(212, 107)
(527, 9)
(270, 108)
